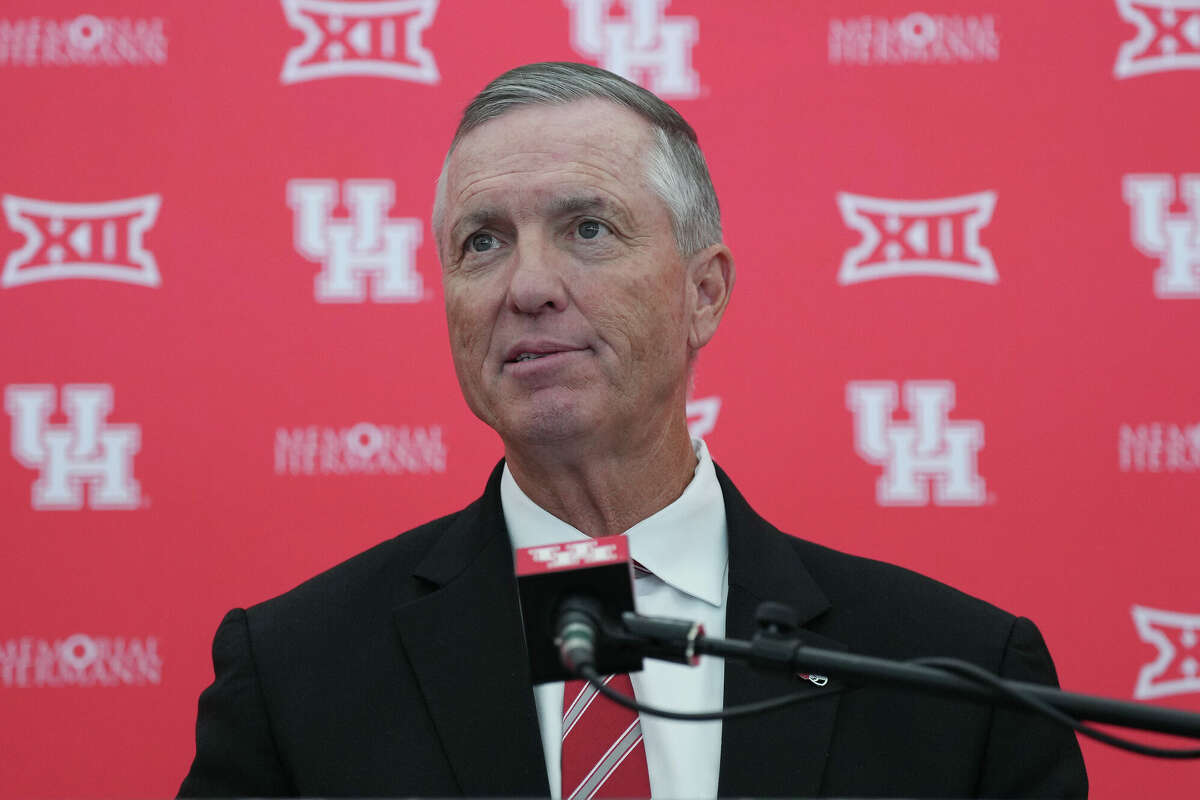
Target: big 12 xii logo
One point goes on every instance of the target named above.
(345, 38)
(937, 238)
(1168, 37)
(98, 241)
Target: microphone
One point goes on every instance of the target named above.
(569, 592)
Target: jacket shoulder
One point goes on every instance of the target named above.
(889, 610)
(377, 577)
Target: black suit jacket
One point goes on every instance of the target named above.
(403, 672)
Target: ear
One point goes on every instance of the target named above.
(710, 282)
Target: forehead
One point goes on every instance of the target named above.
(538, 152)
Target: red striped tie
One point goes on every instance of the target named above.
(602, 750)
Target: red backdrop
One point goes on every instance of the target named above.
(963, 339)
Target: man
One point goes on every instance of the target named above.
(583, 270)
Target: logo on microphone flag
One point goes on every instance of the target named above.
(571, 555)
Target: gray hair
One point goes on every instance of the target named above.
(675, 167)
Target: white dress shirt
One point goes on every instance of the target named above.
(685, 546)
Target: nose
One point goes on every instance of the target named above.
(536, 282)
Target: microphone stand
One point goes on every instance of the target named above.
(776, 646)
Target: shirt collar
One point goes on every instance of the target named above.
(684, 544)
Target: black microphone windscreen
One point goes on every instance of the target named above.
(546, 574)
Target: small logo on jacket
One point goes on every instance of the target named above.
(929, 448)
(1174, 239)
(80, 660)
(937, 238)
(368, 243)
(1176, 670)
(347, 38)
(87, 451)
(1168, 37)
(646, 46)
(101, 241)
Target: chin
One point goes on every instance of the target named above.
(547, 425)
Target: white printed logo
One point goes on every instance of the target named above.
(368, 243)
(361, 449)
(1168, 37)
(917, 38)
(102, 241)
(1159, 447)
(937, 238)
(559, 556)
(86, 40)
(348, 39)
(86, 451)
(929, 447)
(646, 46)
(1174, 239)
(702, 416)
(79, 660)
(1176, 670)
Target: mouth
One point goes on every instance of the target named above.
(525, 352)
(528, 357)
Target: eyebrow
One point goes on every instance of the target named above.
(581, 204)
(480, 218)
(557, 207)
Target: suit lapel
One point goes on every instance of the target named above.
(465, 643)
(784, 751)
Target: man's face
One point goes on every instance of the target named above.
(566, 297)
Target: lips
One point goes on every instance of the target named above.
(531, 351)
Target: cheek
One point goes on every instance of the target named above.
(645, 319)
(466, 327)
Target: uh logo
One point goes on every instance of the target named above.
(1174, 239)
(928, 448)
(86, 451)
(646, 46)
(368, 243)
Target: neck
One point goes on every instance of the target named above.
(601, 492)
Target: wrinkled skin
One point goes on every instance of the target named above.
(552, 243)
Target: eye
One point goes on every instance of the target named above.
(482, 242)
(590, 229)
